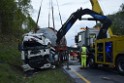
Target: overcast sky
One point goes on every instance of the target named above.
(67, 7)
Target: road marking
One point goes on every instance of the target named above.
(79, 75)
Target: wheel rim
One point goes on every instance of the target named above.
(121, 66)
(91, 62)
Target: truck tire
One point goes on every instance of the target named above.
(120, 64)
(91, 63)
(37, 62)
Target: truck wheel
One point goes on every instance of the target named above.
(91, 63)
(120, 65)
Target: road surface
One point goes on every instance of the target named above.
(101, 75)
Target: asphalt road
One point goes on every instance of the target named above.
(101, 75)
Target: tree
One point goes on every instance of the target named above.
(122, 8)
(24, 6)
(13, 15)
(118, 22)
(7, 8)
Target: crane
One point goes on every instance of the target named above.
(96, 7)
(77, 15)
(105, 51)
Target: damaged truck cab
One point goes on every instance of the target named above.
(35, 51)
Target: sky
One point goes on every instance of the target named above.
(67, 7)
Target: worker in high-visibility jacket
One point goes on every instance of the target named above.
(83, 56)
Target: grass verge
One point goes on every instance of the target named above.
(11, 71)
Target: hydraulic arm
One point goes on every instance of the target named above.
(77, 15)
(96, 7)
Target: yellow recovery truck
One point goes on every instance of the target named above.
(109, 51)
(105, 51)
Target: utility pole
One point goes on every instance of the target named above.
(36, 27)
(52, 14)
(49, 14)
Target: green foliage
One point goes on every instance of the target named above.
(8, 75)
(9, 53)
(118, 21)
(51, 76)
(15, 17)
(7, 8)
(11, 71)
(122, 8)
(24, 6)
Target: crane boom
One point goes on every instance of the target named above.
(77, 15)
(96, 7)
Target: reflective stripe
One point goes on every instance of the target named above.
(83, 51)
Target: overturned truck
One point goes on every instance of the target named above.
(36, 52)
